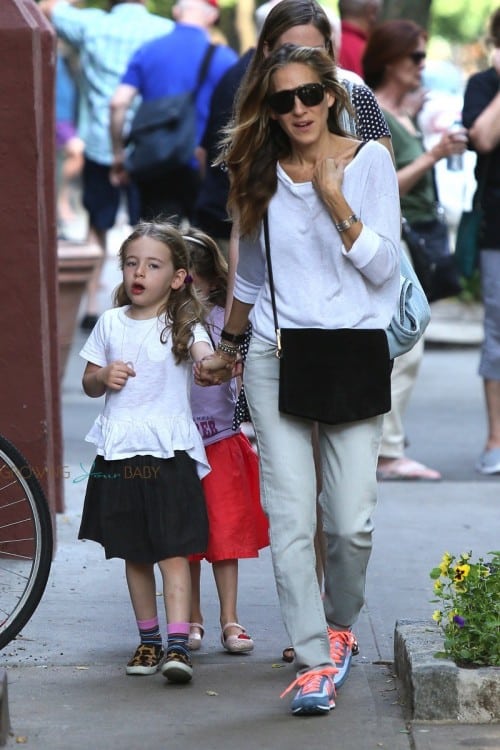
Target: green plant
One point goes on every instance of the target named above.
(469, 613)
(471, 291)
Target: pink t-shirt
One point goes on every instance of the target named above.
(213, 406)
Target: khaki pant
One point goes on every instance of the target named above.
(288, 490)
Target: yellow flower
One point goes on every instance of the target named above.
(437, 615)
(461, 572)
(444, 565)
(438, 586)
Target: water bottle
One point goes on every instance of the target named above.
(455, 162)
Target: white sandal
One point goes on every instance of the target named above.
(195, 637)
(236, 644)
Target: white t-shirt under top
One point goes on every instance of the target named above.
(151, 415)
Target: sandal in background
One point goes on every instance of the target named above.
(196, 633)
(240, 643)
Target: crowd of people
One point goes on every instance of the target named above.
(312, 164)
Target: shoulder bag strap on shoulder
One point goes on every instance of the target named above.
(202, 73)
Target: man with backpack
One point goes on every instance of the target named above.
(104, 41)
(180, 62)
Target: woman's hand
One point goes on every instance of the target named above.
(214, 370)
(451, 142)
(328, 176)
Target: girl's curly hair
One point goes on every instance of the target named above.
(182, 308)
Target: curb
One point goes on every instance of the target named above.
(456, 323)
(4, 708)
(436, 689)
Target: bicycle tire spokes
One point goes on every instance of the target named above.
(25, 542)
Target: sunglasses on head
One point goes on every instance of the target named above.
(417, 57)
(310, 94)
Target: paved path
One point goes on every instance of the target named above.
(67, 685)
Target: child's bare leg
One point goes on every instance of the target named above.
(195, 568)
(142, 590)
(176, 577)
(234, 637)
(176, 588)
(226, 580)
(196, 631)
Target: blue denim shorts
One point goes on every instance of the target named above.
(102, 200)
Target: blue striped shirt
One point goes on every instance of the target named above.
(105, 42)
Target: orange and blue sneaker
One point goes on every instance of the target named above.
(343, 645)
(316, 693)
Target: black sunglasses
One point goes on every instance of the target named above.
(310, 94)
(417, 57)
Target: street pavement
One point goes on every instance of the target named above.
(66, 673)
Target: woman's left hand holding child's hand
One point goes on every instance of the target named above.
(214, 370)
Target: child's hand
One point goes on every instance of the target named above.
(115, 375)
(213, 370)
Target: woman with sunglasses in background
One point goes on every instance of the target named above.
(393, 62)
(306, 23)
(333, 211)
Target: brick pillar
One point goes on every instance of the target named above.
(29, 393)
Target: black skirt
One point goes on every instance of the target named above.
(145, 509)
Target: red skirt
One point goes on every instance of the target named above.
(237, 525)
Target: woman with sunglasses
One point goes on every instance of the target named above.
(306, 23)
(393, 62)
(333, 212)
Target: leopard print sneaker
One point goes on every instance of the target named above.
(146, 660)
(177, 666)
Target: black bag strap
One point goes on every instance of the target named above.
(202, 73)
(271, 284)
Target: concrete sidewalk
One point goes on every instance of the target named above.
(67, 684)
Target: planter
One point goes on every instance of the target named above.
(76, 263)
(437, 689)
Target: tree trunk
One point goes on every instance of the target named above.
(244, 23)
(414, 10)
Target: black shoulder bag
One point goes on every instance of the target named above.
(163, 131)
(429, 247)
(331, 375)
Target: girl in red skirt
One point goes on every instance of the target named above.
(238, 527)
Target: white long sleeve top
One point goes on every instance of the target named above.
(317, 283)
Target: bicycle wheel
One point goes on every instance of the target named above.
(25, 542)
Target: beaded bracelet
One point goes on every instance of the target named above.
(233, 338)
(228, 349)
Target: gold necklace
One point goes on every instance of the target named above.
(130, 363)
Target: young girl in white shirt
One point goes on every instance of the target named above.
(144, 500)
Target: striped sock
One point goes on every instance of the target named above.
(178, 634)
(149, 631)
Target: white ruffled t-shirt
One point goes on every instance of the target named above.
(151, 415)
